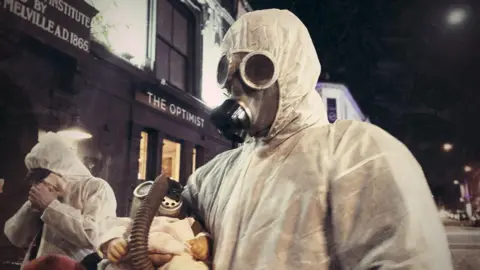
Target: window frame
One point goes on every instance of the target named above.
(152, 154)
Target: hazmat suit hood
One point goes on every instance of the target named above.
(53, 154)
(283, 35)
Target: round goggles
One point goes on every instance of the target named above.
(257, 70)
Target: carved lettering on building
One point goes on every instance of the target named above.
(57, 18)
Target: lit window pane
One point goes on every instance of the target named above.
(171, 159)
(142, 157)
(194, 160)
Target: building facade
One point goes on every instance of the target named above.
(137, 75)
(339, 103)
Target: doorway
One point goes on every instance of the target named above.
(171, 152)
(18, 134)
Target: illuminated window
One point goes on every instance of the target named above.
(194, 160)
(171, 159)
(211, 94)
(173, 39)
(121, 26)
(142, 157)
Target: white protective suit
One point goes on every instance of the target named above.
(72, 227)
(313, 195)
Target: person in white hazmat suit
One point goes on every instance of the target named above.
(301, 193)
(67, 207)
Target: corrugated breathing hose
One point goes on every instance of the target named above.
(138, 244)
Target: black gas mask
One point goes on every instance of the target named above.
(257, 72)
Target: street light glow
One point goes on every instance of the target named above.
(455, 182)
(447, 147)
(456, 16)
(467, 168)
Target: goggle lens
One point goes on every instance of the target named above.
(257, 70)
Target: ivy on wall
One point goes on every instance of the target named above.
(100, 26)
(107, 21)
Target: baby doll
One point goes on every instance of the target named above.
(170, 234)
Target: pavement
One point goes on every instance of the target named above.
(451, 222)
(463, 237)
(464, 245)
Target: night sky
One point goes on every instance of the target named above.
(414, 74)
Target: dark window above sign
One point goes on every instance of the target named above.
(121, 27)
(180, 32)
(178, 68)
(162, 60)
(164, 19)
(174, 37)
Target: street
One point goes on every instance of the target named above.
(465, 246)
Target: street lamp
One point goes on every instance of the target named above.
(455, 182)
(447, 147)
(456, 16)
(75, 131)
(467, 168)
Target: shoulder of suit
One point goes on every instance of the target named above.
(353, 133)
(96, 183)
(343, 127)
(225, 155)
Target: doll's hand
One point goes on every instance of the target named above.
(117, 249)
(199, 248)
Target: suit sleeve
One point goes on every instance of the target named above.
(22, 227)
(383, 217)
(84, 227)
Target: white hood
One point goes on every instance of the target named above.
(52, 153)
(284, 36)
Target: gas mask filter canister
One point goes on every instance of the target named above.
(171, 204)
(257, 71)
(232, 120)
